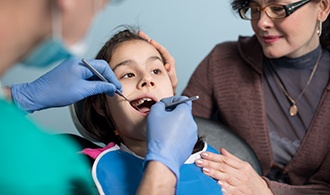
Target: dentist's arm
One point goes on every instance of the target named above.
(171, 136)
(67, 83)
(157, 179)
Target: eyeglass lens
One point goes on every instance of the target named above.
(274, 11)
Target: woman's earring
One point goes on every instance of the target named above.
(116, 132)
(319, 30)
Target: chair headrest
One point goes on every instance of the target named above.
(76, 115)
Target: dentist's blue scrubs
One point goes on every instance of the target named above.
(119, 171)
(36, 163)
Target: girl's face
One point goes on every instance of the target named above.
(292, 36)
(140, 69)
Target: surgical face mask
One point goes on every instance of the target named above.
(47, 53)
(53, 49)
(79, 49)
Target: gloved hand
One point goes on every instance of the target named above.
(65, 84)
(171, 135)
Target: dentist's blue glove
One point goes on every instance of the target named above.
(171, 135)
(67, 83)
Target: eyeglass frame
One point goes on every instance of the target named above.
(289, 9)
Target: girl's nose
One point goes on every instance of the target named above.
(147, 81)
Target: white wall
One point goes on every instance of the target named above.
(188, 29)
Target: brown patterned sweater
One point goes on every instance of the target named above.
(230, 80)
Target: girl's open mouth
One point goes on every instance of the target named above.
(143, 104)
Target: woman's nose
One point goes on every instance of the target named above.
(264, 22)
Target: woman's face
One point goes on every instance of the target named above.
(292, 36)
(140, 69)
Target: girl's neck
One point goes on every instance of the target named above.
(138, 147)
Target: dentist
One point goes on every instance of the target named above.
(38, 33)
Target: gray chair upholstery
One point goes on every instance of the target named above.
(220, 136)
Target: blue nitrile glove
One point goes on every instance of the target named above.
(65, 84)
(171, 135)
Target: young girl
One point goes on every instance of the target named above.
(121, 124)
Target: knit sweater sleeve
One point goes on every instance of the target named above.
(284, 189)
(200, 84)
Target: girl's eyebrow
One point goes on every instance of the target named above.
(123, 63)
(153, 58)
(129, 62)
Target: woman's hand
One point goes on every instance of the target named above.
(169, 60)
(234, 175)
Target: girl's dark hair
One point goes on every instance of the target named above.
(128, 34)
(102, 127)
(325, 36)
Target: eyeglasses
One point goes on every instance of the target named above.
(274, 11)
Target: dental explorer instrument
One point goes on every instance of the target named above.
(100, 76)
(181, 101)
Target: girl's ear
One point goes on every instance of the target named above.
(98, 105)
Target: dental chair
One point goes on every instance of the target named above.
(220, 136)
(214, 133)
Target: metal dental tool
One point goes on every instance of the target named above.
(171, 105)
(100, 76)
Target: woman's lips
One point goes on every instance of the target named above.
(270, 39)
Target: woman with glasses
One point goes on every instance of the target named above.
(273, 90)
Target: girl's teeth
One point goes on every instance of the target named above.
(141, 101)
